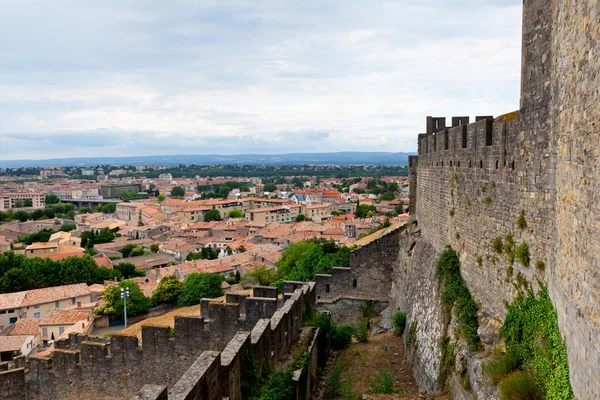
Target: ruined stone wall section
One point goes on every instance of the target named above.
(83, 367)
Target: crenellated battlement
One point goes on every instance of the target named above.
(470, 145)
(212, 342)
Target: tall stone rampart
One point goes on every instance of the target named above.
(532, 174)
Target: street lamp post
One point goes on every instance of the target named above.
(125, 296)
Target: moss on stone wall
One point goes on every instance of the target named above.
(456, 296)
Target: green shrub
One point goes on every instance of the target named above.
(367, 308)
(411, 338)
(521, 222)
(451, 212)
(540, 265)
(448, 359)
(466, 383)
(531, 332)
(361, 333)
(519, 385)
(487, 200)
(279, 386)
(497, 245)
(521, 281)
(455, 294)
(382, 382)
(333, 384)
(399, 322)
(341, 336)
(502, 366)
(522, 254)
(479, 261)
(509, 242)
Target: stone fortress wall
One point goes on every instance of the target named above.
(367, 279)
(202, 361)
(472, 181)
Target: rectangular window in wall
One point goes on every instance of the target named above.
(464, 137)
(36, 315)
(45, 332)
(61, 330)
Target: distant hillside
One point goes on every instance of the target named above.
(340, 158)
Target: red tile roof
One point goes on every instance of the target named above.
(65, 317)
(12, 343)
(27, 326)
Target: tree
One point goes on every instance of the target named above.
(206, 253)
(68, 227)
(37, 214)
(224, 191)
(160, 198)
(238, 277)
(270, 187)
(131, 250)
(261, 275)
(363, 210)
(22, 215)
(28, 203)
(52, 199)
(212, 215)
(198, 286)
(90, 238)
(301, 217)
(127, 270)
(154, 247)
(298, 183)
(388, 196)
(84, 210)
(108, 208)
(235, 214)
(303, 260)
(113, 304)
(15, 280)
(168, 290)
(49, 212)
(399, 208)
(178, 191)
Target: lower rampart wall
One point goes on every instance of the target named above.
(201, 361)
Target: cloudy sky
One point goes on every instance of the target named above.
(150, 77)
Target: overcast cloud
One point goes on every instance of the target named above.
(125, 78)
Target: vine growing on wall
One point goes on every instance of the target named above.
(536, 355)
(456, 296)
(531, 331)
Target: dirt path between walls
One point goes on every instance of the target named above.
(361, 361)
